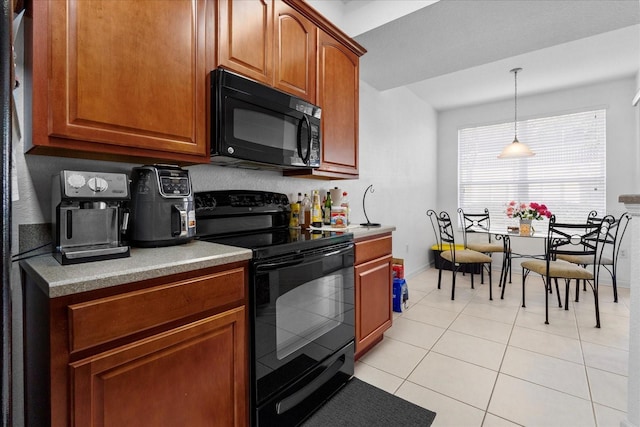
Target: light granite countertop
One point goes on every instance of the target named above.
(144, 263)
(361, 232)
(358, 231)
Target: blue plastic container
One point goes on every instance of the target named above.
(400, 295)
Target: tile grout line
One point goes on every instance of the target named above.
(586, 371)
(500, 370)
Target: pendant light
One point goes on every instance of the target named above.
(516, 148)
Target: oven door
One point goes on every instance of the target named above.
(303, 329)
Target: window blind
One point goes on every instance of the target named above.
(567, 174)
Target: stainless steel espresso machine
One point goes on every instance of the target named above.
(88, 218)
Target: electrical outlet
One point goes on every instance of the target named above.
(623, 253)
(407, 249)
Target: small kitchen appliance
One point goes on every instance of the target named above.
(162, 208)
(88, 217)
(256, 126)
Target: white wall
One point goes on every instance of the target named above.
(622, 145)
(398, 156)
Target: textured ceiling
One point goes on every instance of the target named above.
(459, 52)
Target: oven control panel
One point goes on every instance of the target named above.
(240, 201)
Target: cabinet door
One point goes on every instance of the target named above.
(122, 77)
(245, 38)
(194, 375)
(373, 302)
(338, 93)
(295, 53)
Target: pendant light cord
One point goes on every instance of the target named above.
(515, 101)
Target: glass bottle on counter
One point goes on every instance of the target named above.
(305, 211)
(345, 204)
(326, 214)
(294, 221)
(316, 210)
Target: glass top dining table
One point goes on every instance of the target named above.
(505, 235)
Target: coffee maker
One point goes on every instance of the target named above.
(162, 206)
(89, 220)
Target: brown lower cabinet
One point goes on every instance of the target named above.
(373, 282)
(161, 352)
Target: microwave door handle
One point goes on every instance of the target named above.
(305, 159)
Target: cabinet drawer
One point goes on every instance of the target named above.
(105, 319)
(372, 249)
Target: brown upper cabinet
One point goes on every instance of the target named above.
(295, 53)
(245, 38)
(269, 42)
(121, 80)
(338, 93)
(129, 81)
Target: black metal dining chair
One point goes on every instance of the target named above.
(472, 223)
(611, 251)
(581, 239)
(445, 238)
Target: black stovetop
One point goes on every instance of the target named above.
(256, 220)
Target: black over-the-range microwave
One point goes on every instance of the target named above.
(256, 126)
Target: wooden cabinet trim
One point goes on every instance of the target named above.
(98, 321)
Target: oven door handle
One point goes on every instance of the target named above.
(338, 252)
(290, 263)
(280, 264)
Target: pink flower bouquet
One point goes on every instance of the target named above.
(531, 210)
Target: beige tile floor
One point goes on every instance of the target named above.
(477, 362)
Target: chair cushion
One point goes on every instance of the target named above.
(446, 247)
(584, 259)
(559, 269)
(486, 247)
(466, 256)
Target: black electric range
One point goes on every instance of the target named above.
(256, 220)
(301, 302)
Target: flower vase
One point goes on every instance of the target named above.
(525, 227)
